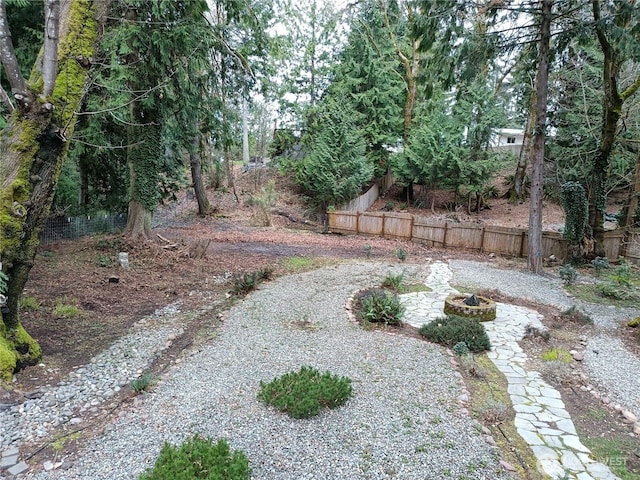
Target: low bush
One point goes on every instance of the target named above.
(613, 290)
(199, 458)
(246, 282)
(568, 274)
(572, 314)
(303, 394)
(451, 330)
(393, 282)
(380, 306)
(556, 355)
(599, 264)
(142, 384)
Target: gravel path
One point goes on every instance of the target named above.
(403, 422)
(607, 361)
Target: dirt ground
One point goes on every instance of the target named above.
(111, 299)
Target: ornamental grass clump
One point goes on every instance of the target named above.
(303, 394)
(452, 330)
(199, 458)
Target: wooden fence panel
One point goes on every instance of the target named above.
(632, 246)
(553, 244)
(398, 225)
(431, 234)
(613, 241)
(464, 235)
(343, 222)
(371, 223)
(364, 201)
(503, 240)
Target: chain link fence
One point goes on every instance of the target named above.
(72, 228)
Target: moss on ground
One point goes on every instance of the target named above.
(488, 388)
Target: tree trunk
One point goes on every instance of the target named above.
(245, 131)
(613, 102)
(537, 159)
(204, 207)
(142, 158)
(517, 192)
(138, 222)
(34, 148)
(631, 214)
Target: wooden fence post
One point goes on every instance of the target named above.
(357, 222)
(482, 239)
(444, 236)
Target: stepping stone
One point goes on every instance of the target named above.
(18, 469)
(8, 461)
(570, 461)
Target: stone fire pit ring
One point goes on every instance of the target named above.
(485, 312)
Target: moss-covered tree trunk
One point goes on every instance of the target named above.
(613, 60)
(34, 146)
(143, 155)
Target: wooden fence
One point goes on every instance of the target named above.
(474, 236)
(364, 201)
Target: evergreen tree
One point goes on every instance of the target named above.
(336, 169)
(370, 75)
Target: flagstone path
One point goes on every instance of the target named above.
(541, 418)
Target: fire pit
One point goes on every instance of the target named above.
(470, 306)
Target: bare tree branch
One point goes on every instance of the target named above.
(8, 55)
(51, 39)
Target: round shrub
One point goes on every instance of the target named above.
(199, 458)
(303, 394)
(380, 306)
(451, 330)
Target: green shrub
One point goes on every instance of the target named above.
(461, 349)
(388, 206)
(393, 282)
(29, 304)
(199, 458)
(614, 290)
(451, 330)
(104, 260)
(366, 248)
(622, 274)
(568, 274)
(574, 315)
(599, 264)
(381, 307)
(556, 355)
(303, 394)
(142, 384)
(401, 254)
